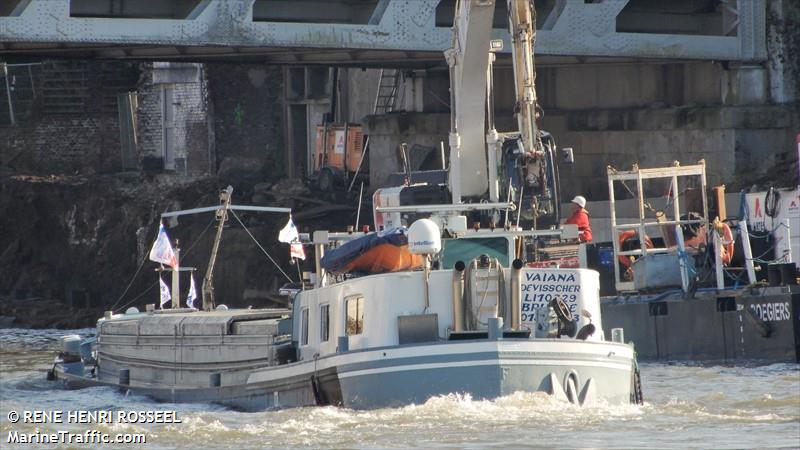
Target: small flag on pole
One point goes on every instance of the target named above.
(296, 251)
(162, 249)
(192, 293)
(290, 235)
(165, 295)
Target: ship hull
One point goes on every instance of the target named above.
(576, 371)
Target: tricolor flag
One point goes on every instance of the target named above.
(192, 293)
(290, 235)
(165, 296)
(162, 249)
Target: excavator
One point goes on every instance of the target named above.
(487, 165)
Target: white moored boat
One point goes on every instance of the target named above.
(483, 327)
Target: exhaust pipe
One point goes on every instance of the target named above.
(458, 296)
(516, 281)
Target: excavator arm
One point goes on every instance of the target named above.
(522, 27)
(481, 158)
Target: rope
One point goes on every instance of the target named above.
(768, 233)
(259, 245)
(669, 196)
(138, 296)
(683, 256)
(744, 210)
(130, 283)
(625, 185)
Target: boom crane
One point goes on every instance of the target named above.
(516, 162)
(535, 163)
(468, 61)
(523, 32)
(487, 165)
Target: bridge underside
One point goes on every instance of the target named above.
(203, 53)
(369, 32)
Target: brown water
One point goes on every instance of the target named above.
(687, 406)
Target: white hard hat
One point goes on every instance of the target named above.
(580, 201)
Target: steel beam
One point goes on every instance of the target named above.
(573, 28)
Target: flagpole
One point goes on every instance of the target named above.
(299, 273)
(163, 290)
(176, 287)
(160, 271)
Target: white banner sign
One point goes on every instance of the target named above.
(539, 288)
(578, 288)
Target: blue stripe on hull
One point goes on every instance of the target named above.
(397, 385)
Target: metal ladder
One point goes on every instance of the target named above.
(385, 102)
(386, 97)
(485, 295)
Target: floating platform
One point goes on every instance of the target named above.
(760, 324)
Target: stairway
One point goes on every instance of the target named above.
(385, 102)
(386, 97)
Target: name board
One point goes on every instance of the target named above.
(772, 312)
(539, 288)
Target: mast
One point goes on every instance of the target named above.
(208, 280)
(221, 211)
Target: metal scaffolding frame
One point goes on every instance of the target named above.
(639, 175)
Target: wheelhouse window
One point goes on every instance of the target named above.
(324, 322)
(355, 315)
(304, 327)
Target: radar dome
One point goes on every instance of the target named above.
(424, 237)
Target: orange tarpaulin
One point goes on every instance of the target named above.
(385, 258)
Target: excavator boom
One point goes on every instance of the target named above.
(468, 60)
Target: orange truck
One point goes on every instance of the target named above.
(339, 156)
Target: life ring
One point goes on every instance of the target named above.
(726, 239)
(627, 260)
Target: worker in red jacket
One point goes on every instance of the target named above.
(580, 217)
